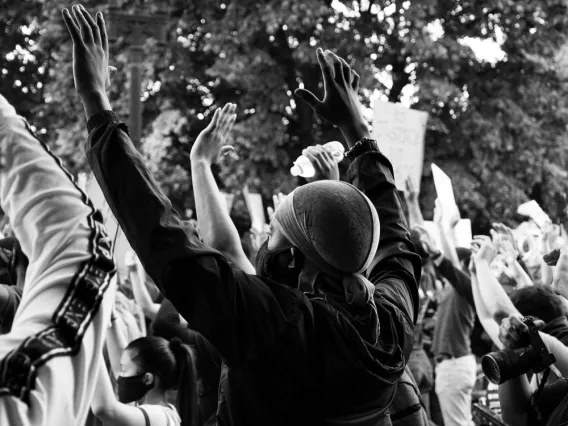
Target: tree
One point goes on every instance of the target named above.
(498, 129)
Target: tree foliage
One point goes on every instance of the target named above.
(497, 128)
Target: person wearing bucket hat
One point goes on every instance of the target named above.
(322, 334)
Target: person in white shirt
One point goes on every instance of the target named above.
(51, 354)
(150, 368)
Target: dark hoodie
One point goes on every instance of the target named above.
(289, 358)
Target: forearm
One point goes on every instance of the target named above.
(559, 350)
(515, 398)
(94, 103)
(153, 228)
(215, 225)
(104, 402)
(116, 342)
(486, 318)
(355, 131)
(457, 278)
(396, 262)
(141, 293)
(523, 279)
(493, 294)
(415, 217)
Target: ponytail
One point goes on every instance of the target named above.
(188, 393)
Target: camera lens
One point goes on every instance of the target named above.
(491, 368)
(504, 365)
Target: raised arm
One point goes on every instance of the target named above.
(202, 285)
(215, 225)
(48, 359)
(396, 268)
(142, 296)
(411, 194)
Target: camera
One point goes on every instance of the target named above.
(507, 364)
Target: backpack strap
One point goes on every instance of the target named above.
(145, 416)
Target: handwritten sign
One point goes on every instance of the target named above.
(400, 132)
(444, 189)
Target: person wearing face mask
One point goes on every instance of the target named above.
(322, 335)
(150, 367)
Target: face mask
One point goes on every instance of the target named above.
(278, 265)
(132, 388)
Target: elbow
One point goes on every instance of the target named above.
(104, 413)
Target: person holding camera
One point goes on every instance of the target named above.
(526, 349)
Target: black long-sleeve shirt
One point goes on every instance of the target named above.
(289, 358)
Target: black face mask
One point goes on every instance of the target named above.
(132, 388)
(275, 264)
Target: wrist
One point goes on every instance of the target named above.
(199, 161)
(94, 102)
(355, 131)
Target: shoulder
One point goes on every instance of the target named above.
(161, 415)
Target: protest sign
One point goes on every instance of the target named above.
(445, 191)
(462, 233)
(255, 209)
(535, 212)
(400, 132)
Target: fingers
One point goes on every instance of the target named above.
(72, 27)
(327, 70)
(315, 159)
(355, 80)
(225, 150)
(86, 31)
(92, 24)
(338, 67)
(103, 32)
(511, 330)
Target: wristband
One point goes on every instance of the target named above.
(364, 145)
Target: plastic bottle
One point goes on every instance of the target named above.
(303, 166)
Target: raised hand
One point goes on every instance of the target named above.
(340, 104)
(513, 331)
(276, 200)
(483, 248)
(209, 145)
(90, 51)
(411, 194)
(324, 164)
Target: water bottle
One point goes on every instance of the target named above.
(303, 166)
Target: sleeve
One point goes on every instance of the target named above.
(234, 311)
(458, 279)
(48, 359)
(396, 269)
(10, 297)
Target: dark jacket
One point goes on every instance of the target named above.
(289, 358)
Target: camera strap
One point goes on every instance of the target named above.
(536, 394)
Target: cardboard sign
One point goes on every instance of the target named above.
(444, 189)
(535, 212)
(434, 232)
(255, 209)
(462, 233)
(400, 132)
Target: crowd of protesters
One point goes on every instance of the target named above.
(351, 311)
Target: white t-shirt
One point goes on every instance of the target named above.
(170, 417)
